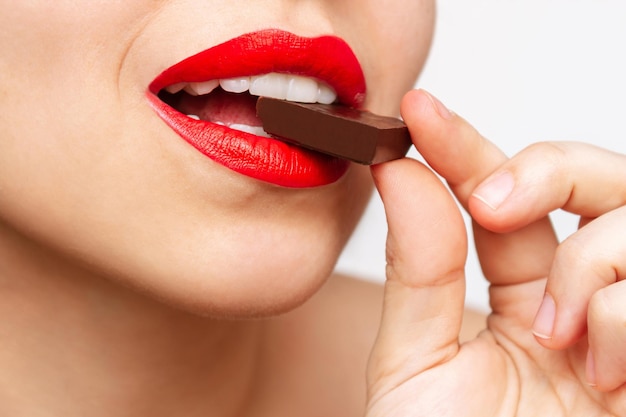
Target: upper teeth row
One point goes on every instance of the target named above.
(274, 85)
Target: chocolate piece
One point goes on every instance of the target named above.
(341, 131)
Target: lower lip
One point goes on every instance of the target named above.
(261, 158)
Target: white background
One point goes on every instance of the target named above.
(521, 71)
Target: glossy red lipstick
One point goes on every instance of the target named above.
(326, 58)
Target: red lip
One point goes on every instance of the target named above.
(326, 58)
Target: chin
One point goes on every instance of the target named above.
(261, 264)
(261, 275)
(241, 295)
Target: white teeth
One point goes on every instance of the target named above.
(274, 85)
(189, 90)
(303, 90)
(325, 94)
(270, 85)
(175, 88)
(198, 89)
(291, 87)
(235, 85)
(255, 130)
(203, 88)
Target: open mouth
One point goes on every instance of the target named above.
(231, 102)
(209, 99)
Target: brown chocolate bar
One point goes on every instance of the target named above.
(341, 131)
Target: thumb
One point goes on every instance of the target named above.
(425, 288)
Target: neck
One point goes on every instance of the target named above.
(75, 344)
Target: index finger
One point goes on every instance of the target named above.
(577, 177)
(454, 149)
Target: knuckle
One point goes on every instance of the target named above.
(578, 258)
(604, 310)
(549, 150)
(607, 308)
(550, 157)
(573, 254)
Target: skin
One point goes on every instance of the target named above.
(536, 357)
(125, 254)
(106, 310)
(106, 171)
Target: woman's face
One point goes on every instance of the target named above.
(91, 168)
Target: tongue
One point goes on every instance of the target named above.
(221, 106)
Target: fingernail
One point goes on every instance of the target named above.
(442, 110)
(544, 321)
(495, 190)
(591, 370)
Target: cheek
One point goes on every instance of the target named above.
(58, 98)
(392, 39)
(400, 53)
(149, 215)
(82, 171)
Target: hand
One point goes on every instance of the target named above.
(417, 367)
(584, 288)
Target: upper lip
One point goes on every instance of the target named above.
(326, 58)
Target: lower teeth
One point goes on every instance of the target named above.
(255, 130)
